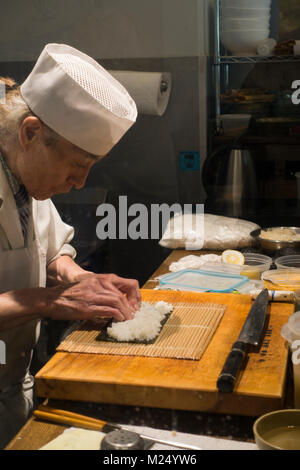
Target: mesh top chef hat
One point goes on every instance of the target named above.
(77, 98)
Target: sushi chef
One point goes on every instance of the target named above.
(65, 117)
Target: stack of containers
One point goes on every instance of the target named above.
(244, 25)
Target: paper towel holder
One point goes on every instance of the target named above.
(163, 86)
(150, 90)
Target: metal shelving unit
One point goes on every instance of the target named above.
(287, 205)
(226, 61)
(217, 64)
(256, 59)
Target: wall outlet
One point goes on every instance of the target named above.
(189, 161)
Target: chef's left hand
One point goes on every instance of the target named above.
(114, 283)
(64, 269)
(129, 287)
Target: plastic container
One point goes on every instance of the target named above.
(201, 281)
(288, 262)
(257, 4)
(291, 332)
(255, 265)
(282, 279)
(246, 13)
(237, 24)
(243, 42)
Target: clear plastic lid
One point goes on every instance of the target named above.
(201, 280)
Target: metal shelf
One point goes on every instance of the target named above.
(219, 60)
(255, 59)
(257, 140)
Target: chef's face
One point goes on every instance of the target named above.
(47, 168)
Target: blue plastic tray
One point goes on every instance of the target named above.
(201, 280)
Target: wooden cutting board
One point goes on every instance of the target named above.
(176, 383)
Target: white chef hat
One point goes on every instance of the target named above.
(77, 98)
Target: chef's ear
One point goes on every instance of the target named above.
(30, 128)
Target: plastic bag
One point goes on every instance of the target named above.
(207, 231)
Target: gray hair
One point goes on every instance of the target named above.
(13, 112)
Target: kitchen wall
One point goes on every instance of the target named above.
(161, 35)
(103, 28)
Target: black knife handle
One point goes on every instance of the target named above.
(232, 366)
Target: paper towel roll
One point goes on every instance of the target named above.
(150, 90)
(297, 48)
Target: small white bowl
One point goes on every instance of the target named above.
(253, 24)
(245, 3)
(243, 42)
(245, 13)
(235, 121)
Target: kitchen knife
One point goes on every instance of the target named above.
(69, 418)
(249, 335)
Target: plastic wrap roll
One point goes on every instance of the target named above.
(150, 90)
(266, 47)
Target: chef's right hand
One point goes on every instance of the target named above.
(85, 301)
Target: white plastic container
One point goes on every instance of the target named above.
(247, 3)
(242, 24)
(291, 332)
(243, 42)
(245, 13)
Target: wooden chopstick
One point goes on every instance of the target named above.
(69, 421)
(70, 414)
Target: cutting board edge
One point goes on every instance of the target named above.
(210, 401)
(241, 391)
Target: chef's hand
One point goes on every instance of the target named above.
(118, 285)
(90, 299)
(65, 271)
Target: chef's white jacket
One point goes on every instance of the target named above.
(24, 267)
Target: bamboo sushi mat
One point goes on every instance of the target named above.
(185, 335)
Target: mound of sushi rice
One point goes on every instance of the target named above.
(145, 326)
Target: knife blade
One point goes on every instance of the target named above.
(250, 335)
